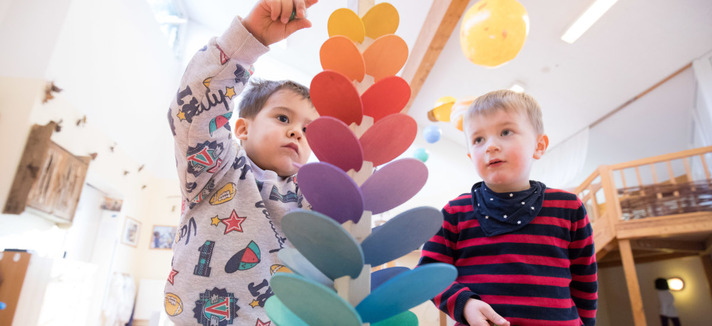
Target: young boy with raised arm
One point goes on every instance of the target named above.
(524, 252)
(235, 192)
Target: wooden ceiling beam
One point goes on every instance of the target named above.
(647, 259)
(668, 245)
(439, 24)
(708, 247)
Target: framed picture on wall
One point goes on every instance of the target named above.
(162, 237)
(131, 231)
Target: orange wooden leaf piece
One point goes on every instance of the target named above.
(386, 56)
(340, 54)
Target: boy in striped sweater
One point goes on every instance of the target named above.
(524, 252)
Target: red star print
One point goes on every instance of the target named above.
(261, 323)
(234, 222)
(172, 275)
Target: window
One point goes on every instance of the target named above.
(169, 15)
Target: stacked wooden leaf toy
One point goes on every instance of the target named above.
(360, 129)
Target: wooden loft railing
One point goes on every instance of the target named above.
(645, 203)
(618, 197)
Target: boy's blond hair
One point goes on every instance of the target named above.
(510, 101)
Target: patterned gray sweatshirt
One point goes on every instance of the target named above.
(229, 232)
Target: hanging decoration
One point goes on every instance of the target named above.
(493, 31)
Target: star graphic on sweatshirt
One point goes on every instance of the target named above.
(215, 221)
(181, 115)
(230, 92)
(172, 275)
(254, 303)
(233, 223)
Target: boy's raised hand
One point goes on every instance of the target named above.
(269, 21)
(479, 313)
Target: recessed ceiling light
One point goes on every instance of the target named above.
(676, 283)
(587, 19)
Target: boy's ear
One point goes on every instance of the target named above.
(542, 143)
(241, 128)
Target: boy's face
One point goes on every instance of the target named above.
(274, 139)
(502, 145)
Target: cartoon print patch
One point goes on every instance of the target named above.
(244, 259)
(206, 253)
(173, 304)
(259, 296)
(233, 223)
(277, 268)
(203, 156)
(219, 122)
(289, 197)
(172, 276)
(225, 194)
(216, 307)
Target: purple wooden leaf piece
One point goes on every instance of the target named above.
(393, 184)
(331, 191)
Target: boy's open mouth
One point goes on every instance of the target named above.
(494, 162)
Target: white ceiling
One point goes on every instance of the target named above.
(636, 44)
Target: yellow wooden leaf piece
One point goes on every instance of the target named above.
(347, 23)
(380, 20)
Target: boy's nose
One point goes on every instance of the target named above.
(295, 132)
(492, 147)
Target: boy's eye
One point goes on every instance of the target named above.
(506, 132)
(283, 118)
(304, 129)
(477, 140)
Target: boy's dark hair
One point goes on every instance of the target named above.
(256, 95)
(661, 284)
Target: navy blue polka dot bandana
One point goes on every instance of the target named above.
(500, 213)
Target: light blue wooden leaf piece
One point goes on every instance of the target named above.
(401, 235)
(323, 242)
(406, 291)
(313, 303)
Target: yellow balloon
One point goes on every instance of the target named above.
(458, 111)
(442, 109)
(493, 31)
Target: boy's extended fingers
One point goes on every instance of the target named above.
(300, 8)
(275, 8)
(286, 10)
(494, 317)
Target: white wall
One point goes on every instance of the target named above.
(105, 54)
(661, 121)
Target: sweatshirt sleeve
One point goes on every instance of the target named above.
(584, 280)
(199, 116)
(441, 249)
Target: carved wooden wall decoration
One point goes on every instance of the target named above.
(48, 177)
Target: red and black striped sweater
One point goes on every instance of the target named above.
(541, 272)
